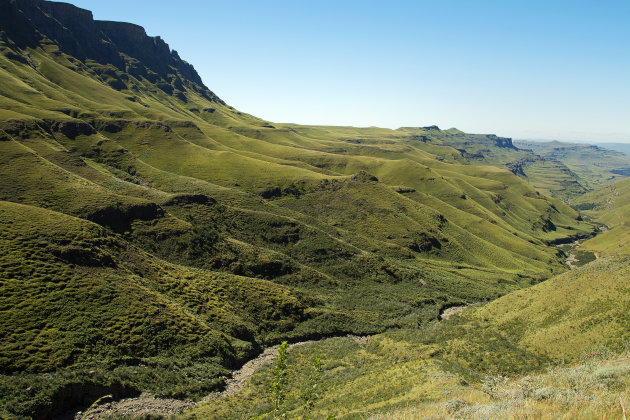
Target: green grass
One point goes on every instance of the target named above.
(157, 237)
(511, 358)
(609, 206)
(552, 177)
(595, 388)
(359, 382)
(568, 314)
(75, 295)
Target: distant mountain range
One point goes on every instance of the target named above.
(619, 147)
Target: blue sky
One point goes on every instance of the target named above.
(522, 69)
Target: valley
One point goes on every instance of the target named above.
(157, 246)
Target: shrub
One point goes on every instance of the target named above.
(202, 239)
(279, 379)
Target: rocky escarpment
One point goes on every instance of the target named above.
(516, 167)
(505, 142)
(124, 46)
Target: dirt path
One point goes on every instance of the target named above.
(572, 259)
(446, 313)
(149, 404)
(453, 310)
(136, 407)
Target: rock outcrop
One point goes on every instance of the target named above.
(125, 46)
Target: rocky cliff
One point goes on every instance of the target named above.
(125, 46)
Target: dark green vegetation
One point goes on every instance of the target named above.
(152, 238)
(76, 295)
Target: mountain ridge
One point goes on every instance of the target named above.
(123, 45)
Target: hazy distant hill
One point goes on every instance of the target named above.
(595, 165)
(620, 147)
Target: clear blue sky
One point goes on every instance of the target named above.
(523, 69)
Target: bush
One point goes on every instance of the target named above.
(202, 239)
(278, 383)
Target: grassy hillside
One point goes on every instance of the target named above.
(558, 349)
(152, 237)
(611, 207)
(75, 295)
(570, 313)
(410, 387)
(490, 361)
(552, 177)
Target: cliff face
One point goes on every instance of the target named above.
(501, 141)
(124, 45)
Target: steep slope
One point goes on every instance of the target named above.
(569, 314)
(66, 255)
(75, 295)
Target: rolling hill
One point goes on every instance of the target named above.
(153, 238)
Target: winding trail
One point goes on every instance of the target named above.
(150, 404)
(136, 407)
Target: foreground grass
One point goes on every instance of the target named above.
(383, 379)
(597, 388)
(555, 350)
(568, 314)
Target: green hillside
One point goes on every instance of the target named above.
(611, 207)
(569, 314)
(594, 166)
(75, 295)
(490, 361)
(153, 238)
